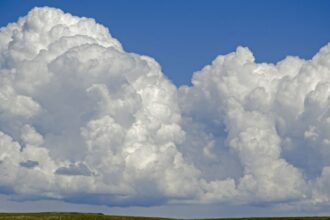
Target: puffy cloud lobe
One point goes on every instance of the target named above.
(84, 121)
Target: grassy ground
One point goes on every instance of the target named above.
(80, 216)
(277, 218)
(68, 216)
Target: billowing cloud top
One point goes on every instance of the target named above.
(81, 120)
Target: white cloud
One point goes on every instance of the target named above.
(87, 117)
(82, 120)
(264, 113)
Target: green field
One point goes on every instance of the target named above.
(68, 216)
(88, 216)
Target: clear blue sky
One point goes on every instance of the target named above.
(186, 35)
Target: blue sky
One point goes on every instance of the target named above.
(185, 35)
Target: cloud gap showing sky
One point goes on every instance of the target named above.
(84, 121)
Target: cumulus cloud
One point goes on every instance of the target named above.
(271, 116)
(82, 120)
(88, 117)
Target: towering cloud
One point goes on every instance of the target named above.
(81, 120)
